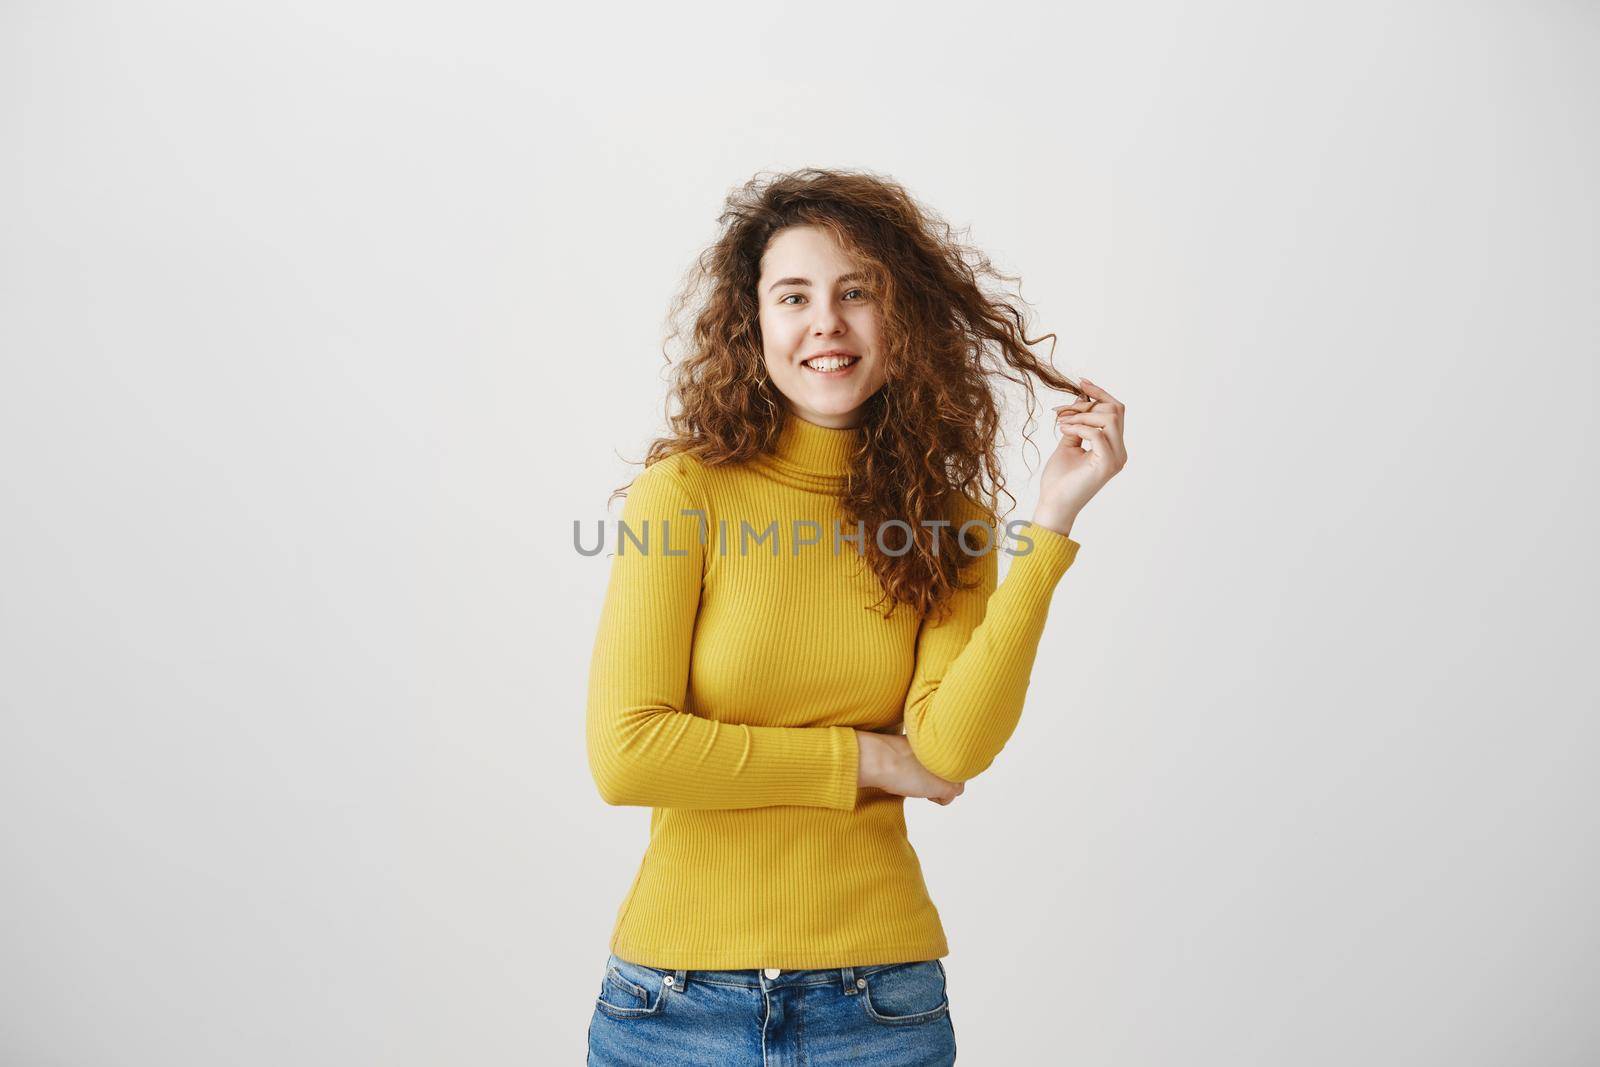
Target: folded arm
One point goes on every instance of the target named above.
(644, 747)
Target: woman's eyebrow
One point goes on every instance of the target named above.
(853, 276)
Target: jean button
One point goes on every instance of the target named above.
(771, 972)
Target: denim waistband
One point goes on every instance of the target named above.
(756, 978)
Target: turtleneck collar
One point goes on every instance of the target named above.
(818, 455)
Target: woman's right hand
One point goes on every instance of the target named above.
(888, 763)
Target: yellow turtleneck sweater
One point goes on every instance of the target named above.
(725, 687)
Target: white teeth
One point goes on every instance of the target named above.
(827, 363)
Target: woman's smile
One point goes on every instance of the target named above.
(832, 365)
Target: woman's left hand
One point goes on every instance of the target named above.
(1072, 476)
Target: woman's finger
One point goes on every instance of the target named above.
(1101, 440)
(1109, 443)
(1099, 393)
(1108, 436)
(1091, 418)
(1093, 436)
(1081, 404)
(1064, 428)
(1106, 420)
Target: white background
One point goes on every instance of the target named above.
(322, 321)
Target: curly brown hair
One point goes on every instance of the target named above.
(929, 434)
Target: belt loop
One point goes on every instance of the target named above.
(680, 980)
(848, 974)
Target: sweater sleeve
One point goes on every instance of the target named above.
(644, 747)
(973, 666)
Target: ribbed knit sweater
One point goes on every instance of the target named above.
(725, 687)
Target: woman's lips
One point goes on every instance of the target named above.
(853, 363)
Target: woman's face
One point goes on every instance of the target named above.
(812, 303)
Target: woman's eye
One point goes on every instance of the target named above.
(797, 296)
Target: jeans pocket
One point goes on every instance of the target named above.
(906, 994)
(631, 990)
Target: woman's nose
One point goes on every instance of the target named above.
(827, 319)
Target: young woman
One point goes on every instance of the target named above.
(803, 628)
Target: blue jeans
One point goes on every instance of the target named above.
(890, 1015)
